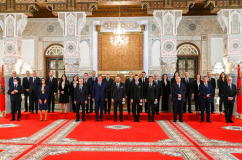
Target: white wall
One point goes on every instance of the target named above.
(95, 46)
(84, 54)
(216, 50)
(28, 52)
(1, 53)
(156, 53)
(145, 47)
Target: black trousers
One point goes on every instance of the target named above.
(221, 101)
(157, 106)
(16, 106)
(91, 106)
(78, 109)
(188, 97)
(107, 105)
(178, 106)
(228, 110)
(136, 103)
(52, 100)
(115, 106)
(128, 104)
(165, 100)
(151, 106)
(73, 104)
(212, 104)
(34, 102)
(197, 105)
(204, 105)
(99, 104)
(26, 95)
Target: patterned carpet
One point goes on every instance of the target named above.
(67, 139)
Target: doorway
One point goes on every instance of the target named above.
(189, 64)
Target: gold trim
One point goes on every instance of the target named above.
(115, 73)
(111, 33)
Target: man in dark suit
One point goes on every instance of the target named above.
(15, 92)
(10, 81)
(99, 96)
(33, 91)
(136, 97)
(128, 86)
(205, 98)
(178, 98)
(93, 79)
(118, 96)
(160, 92)
(26, 90)
(143, 80)
(213, 83)
(151, 96)
(80, 98)
(109, 82)
(88, 83)
(189, 92)
(230, 92)
(52, 83)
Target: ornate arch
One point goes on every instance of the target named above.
(54, 50)
(187, 49)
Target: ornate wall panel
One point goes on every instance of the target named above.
(114, 58)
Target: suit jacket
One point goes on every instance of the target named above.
(221, 85)
(17, 96)
(66, 88)
(52, 85)
(81, 96)
(128, 86)
(146, 80)
(176, 90)
(92, 82)
(166, 89)
(72, 89)
(109, 85)
(88, 85)
(34, 86)
(99, 93)
(45, 95)
(204, 91)
(213, 83)
(159, 88)
(229, 93)
(151, 93)
(118, 94)
(189, 86)
(137, 91)
(10, 81)
(195, 87)
(26, 85)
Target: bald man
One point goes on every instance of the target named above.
(109, 82)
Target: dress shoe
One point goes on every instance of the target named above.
(77, 120)
(25, 111)
(12, 120)
(148, 120)
(121, 120)
(61, 112)
(190, 112)
(153, 120)
(108, 112)
(115, 120)
(202, 121)
(134, 121)
(137, 121)
(48, 111)
(209, 121)
(32, 112)
(231, 121)
(73, 112)
(53, 112)
(227, 121)
(18, 119)
(174, 120)
(212, 113)
(84, 120)
(128, 112)
(101, 119)
(40, 120)
(180, 120)
(105, 112)
(157, 113)
(36, 112)
(87, 112)
(96, 120)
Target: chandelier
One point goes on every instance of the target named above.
(118, 39)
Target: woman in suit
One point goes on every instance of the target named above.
(173, 80)
(73, 86)
(43, 96)
(196, 83)
(222, 81)
(64, 93)
(166, 86)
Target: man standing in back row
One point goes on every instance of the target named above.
(128, 86)
(109, 82)
(26, 90)
(52, 83)
(93, 79)
(213, 83)
(189, 91)
(143, 80)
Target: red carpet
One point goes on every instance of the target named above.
(140, 132)
(112, 156)
(126, 116)
(237, 155)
